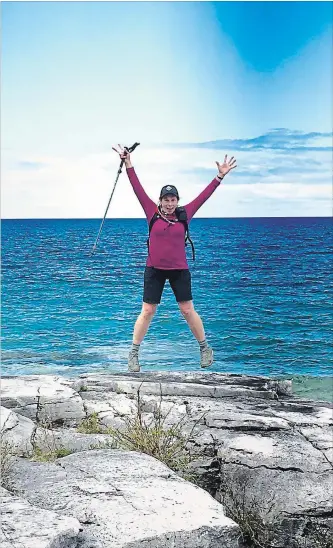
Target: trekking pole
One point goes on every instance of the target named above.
(128, 149)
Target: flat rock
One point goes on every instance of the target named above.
(127, 499)
(229, 401)
(281, 387)
(282, 451)
(209, 385)
(49, 397)
(28, 526)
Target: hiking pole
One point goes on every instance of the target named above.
(128, 149)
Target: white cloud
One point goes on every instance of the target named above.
(81, 186)
(291, 191)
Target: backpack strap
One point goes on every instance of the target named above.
(192, 245)
(151, 224)
(182, 217)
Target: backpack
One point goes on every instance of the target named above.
(182, 218)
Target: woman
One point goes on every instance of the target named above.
(167, 259)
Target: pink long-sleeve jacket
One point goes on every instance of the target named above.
(167, 242)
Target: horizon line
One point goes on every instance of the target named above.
(144, 218)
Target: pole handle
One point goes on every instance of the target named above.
(133, 147)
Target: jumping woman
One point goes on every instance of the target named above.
(167, 258)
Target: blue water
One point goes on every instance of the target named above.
(263, 288)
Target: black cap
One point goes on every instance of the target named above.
(169, 189)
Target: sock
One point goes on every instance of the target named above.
(203, 344)
(135, 348)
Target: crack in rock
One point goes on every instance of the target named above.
(83, 405)
(314, 446)
(273, 468)
(10, 416)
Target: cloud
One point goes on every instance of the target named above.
(292, 191)
(266, 182)
(26, 165)
(275, 139)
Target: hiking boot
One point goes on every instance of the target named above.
(133, 362)
(206, 357)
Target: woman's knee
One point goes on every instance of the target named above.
(148, 310)
(186, 308)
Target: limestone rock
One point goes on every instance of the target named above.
(209, 385)
(16, 430)
(281, 475)
(250, 429)
(48, 397)
(127, 499)
(29, 526)
(49, 440)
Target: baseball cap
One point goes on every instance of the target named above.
(169, 189)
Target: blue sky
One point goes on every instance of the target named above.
(190, 81)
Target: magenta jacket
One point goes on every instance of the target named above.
(167, 242)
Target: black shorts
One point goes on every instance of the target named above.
(155, 278)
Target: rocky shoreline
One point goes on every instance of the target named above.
(254, 442)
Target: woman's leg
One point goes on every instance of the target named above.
(154, 281)
(196, 326)
(193, 319)
(140, 329)
(181, 284)
(143, 321)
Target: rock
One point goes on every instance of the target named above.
(303, 413)
(249, 383)
(244, 421)
(29, 526)
(108, 404)
(51, 440)
(172, 412)
(109, 421)
(282, 451)
(209, 385)
(281, 387)
(48, 397)
(16, 430)
(112, 408)
(279, 497)
(250, 428)
(127, 499)
(321, 438)
(280, 474)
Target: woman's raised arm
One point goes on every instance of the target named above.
(223, 169)
(147, 203)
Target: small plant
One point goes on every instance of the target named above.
(83, 388)
(41, 455)
(47, 448)
(106, 444)
(91, 425)
(168, 444)
(7, 454)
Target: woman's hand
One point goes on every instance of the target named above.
(124, 155)
(226, 166)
